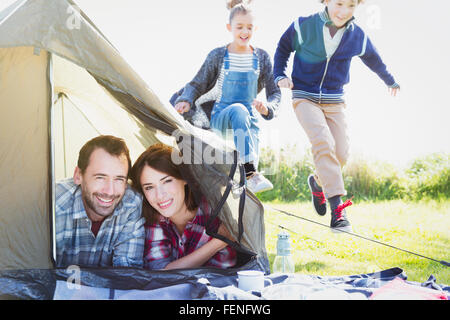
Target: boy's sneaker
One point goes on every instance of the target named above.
(258, 183)
(317, 197)
(339, 220)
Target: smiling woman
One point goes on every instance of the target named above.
(176, 228)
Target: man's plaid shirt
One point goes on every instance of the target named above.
(163, 244)
(119, 242)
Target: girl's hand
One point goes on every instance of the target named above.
(285, 83)
(394, 91)
(182, 107)
(260, 107)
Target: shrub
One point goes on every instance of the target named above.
(374, 180)
(425, 178)
(430, 177)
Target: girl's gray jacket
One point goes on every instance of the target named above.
(206, 78)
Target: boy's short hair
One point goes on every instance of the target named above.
(113, 145)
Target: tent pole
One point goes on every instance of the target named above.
(63, 133)
(83, 114)
(52, 175)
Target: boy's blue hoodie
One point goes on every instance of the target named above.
(315, 76)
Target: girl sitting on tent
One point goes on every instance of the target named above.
(175, 229)
(231, 77)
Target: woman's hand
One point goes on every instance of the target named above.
(182, 107)
(223, 231)
(201, 255)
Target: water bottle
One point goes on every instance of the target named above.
(283, 262)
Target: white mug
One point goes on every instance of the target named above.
(252, 280)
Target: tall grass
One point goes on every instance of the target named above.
(426, 178)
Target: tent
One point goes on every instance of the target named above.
(61, 83)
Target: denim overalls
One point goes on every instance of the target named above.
(234, 110)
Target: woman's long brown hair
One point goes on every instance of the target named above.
(158, 157)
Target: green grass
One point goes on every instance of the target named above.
(420, 227)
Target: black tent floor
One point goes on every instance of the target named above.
(205, 284)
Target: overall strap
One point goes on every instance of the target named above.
(255, 61)
(226, 60)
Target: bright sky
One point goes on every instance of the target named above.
(167, 41)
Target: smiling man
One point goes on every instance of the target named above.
(98, 215)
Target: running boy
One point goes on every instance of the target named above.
(324, 45)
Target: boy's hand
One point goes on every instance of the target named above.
(285, 83)
(182, 107)
(394, 91)
(260, 107)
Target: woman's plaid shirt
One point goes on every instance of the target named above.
(163, 244)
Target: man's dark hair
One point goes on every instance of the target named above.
(113, 145)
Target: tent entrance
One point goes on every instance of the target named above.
(82, 109)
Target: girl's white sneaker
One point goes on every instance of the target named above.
(258, 183)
